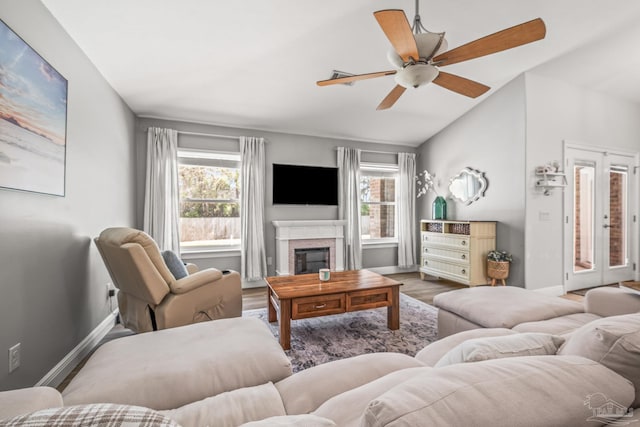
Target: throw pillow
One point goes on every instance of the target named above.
(612, 341)
(103, 415)
(175, 265)
(478, 349)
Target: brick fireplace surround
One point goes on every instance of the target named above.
(292, 235)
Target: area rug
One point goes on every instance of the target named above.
(323, 339)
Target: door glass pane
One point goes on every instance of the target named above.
(584, 207)
(617, 216)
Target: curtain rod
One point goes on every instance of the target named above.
(381, 152)
(210, 135)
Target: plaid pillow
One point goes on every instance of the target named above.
(98, 415)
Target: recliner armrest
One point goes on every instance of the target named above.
(191, 268)
(610, 301)
(195, 280)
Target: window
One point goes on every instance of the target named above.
(209, 200)
(378, 202)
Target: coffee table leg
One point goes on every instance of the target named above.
(393, 311)
(273, 316)
(285, 324)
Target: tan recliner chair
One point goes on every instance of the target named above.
(150, 297)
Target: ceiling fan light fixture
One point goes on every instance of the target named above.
(394, 59)
(428, 44)
(416, 75)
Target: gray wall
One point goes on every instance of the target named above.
(52, 280)
(584, 117)
(491, 139)
(280, 148)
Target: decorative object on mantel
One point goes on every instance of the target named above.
(468, 186)
(550, 177)
(425, 182)
(498, 266)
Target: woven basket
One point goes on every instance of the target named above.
(498, 269)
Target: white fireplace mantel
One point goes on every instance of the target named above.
(288, 231)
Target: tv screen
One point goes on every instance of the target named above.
(304, 185)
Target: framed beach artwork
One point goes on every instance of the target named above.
(33, 119)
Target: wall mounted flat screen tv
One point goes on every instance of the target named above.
(304, 185)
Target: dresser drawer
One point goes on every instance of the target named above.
(320, 305)
(445, 240)
(446, 254)
(445, 269)
(370, 298)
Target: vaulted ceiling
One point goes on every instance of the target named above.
(254, 63)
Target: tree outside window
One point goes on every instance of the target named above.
(209, 204)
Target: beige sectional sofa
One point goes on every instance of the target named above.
(232, 372)
(527, 311)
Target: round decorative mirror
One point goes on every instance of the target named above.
(468, 186)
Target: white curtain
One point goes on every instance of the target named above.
(406, 210)
(161, 198)
(252, 178)
(349, 205)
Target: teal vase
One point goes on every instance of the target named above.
(439, 208)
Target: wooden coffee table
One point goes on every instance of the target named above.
(304, 295)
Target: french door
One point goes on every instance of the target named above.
(600, 214)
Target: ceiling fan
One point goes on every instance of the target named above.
(418, 54)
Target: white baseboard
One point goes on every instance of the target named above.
(554, 291)
(246, 284)
(393, 269)
(59, 372)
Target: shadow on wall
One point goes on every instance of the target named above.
(45, 295)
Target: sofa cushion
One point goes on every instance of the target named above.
(305, 420)
(103, 415)
(30, 399)
(205, 359)
(504, 306)
(528, 391)
(332, 378)
(231, 408)
(614, 342)
(432, 353)
(517, 345)
(175, 264)
(346, 409)
(558, 325)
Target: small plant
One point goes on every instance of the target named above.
(499, 256)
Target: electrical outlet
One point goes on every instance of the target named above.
(269, 260)
(14, 357)
(111, 290)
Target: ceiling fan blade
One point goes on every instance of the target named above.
(349, 79)
(396, 27)
(493, 43)
(391, 99)
(460, 85)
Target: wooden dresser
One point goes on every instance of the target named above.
(456, 250)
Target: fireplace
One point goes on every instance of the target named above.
(326, 236)
(310, 260)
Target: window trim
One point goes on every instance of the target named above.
(209, 158)
(389, 170)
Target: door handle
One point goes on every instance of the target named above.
(606, 225)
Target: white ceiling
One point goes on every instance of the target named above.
(254, 63)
